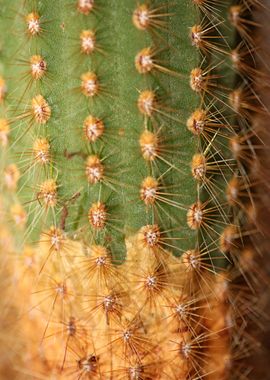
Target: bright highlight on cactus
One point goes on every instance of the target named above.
(132, 159)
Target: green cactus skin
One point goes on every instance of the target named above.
(119, 42)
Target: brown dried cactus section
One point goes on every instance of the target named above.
(10, 341)
(149, 318)
(138, 324)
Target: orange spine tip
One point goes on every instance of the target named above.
(144, 61)
(141, 17)
(4, 132)
(3, 89)
(94, 169)
(147, 102)
(150, 235)
(195, 216)
(41, 151)
(97, 215)
(41, 109)
(85, 6)
(148, 190)
(149, 145)
(48, 193)
(88, 41)
(93, 128)
(33, 23)
(38, 66)
(89, 84)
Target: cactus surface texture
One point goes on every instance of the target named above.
(134, 179)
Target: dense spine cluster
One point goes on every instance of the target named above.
(130, 161)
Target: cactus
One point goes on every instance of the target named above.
(131, 161)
